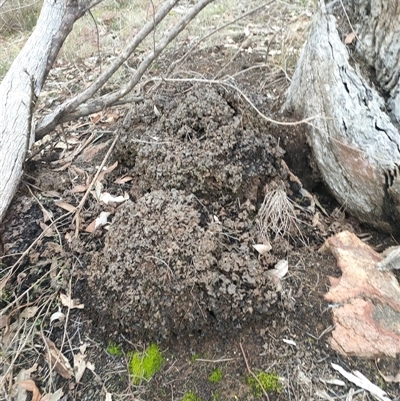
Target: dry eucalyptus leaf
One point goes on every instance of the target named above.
(9, 332)
(29, 312)
(391, 379)
(77, 170)
(79, 366)
(66, 206)
(47, 215)
(3, 321)
(63, 167)
(48, 232)
(57, 360)
(124, 179)
(98, 188)
(78, 189)
(30, 385)
(91, 227)
(51, 194)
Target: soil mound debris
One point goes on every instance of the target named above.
(180, 259)
(202, 144)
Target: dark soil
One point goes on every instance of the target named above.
(177, 265)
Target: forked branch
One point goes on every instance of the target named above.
(76, 107)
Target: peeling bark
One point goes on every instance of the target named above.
(355, 143)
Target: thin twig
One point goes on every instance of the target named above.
(45, 211)
(215, 360)
(225, 83)
(251, 372)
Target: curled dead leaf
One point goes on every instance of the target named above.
(30, 385)
(106, 171)
(57, 316)
(262, 249)
(71, 303)
(280, 270)
(79, 188)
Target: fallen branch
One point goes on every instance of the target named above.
(75, 108)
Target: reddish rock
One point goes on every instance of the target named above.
(368, 316)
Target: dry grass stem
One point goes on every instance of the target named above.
(277, 214)
(251, 372)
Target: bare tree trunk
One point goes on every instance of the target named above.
(22, 85)
(355, 142)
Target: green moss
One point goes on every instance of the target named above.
(191, 396)
(195, 357)
(114, 349)
(269, 382)
(143, 365)
(216, 376)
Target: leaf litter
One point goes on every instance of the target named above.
(280, 321)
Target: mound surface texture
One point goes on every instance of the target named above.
(179, 258)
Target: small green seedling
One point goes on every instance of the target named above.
(114, 349)
(195, 357)
(269, 382)
(143, 365)
(191, 396)
(216, 376)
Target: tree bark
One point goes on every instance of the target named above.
(377, 23)
(356, 144)
(22, 85)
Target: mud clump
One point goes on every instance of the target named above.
(166, 268)
(201, 144)
(179, 259)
